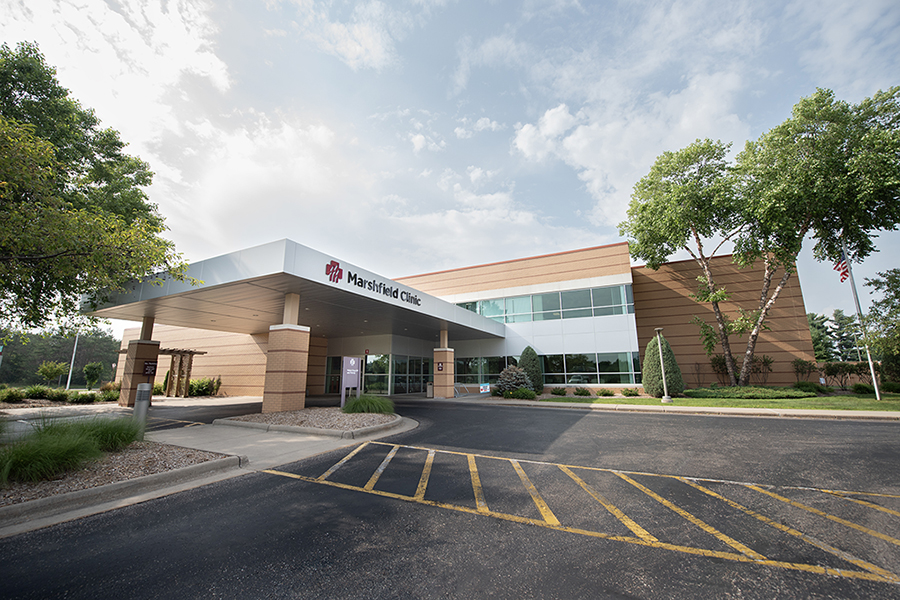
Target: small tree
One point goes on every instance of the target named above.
(652, 373)
(531, 364)
(52, 370)
(92, 373)
(513, 378)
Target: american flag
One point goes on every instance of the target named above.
(842, 268)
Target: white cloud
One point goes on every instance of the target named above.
(497, 51)
(478, 176)
(485, 124)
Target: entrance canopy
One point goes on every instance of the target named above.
(244, 292)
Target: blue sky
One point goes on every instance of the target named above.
(408, 137)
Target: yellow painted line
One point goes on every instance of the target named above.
(377, 474)
(606, 536)
(864, 503)
(426, 474)
(341, 463)
(622, 517)
(816, 511)
(798, 534)
(701, 524)
(476, 486)
(545, 511)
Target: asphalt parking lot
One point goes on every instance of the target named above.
(484, 501)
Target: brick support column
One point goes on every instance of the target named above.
(444, 370)
(139, 352)
(287, 360)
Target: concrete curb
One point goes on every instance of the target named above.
(43, 507)
(338, 433)
(791, 413)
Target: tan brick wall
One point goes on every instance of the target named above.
(444, 380)
(549, 268)
(662, 299)
(286, 365)
(132, 364)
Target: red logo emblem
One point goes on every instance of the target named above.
(334, 271)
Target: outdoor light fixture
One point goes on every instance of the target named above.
(667, 399)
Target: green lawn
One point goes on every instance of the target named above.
(848, 402)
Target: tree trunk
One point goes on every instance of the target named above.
(720, 321)
(765, 303)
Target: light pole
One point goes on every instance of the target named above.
(662, 365)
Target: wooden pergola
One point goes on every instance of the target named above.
(179, 383)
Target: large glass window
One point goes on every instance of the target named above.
(570, 304)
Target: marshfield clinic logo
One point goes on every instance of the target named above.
(334, 271)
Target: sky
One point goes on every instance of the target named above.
(413, 136)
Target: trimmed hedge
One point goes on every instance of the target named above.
(748, 393)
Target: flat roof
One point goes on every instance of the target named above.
(243, 292)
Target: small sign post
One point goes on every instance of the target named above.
(351, 376)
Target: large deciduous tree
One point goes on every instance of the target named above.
(74, 217)
(883, 319)
(831, 171)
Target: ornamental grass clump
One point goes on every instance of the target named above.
(59, 446)
(369, 404)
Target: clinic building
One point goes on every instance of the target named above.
(276, 320)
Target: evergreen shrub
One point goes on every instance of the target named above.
(863, 388)
(511, 379)
(522, 393)
(558, 391)
(36, 392)
(531, 364)
(12, 395)
(605, 392)
(581, 391)
(651, 373)
(631, 392)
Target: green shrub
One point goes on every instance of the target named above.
(891, 387)
(58, 395)
(605, 392)
(36, 392)
(558, 391)
(631, 392)
(581, 391)
(512, 378)
(863, 388)
(495, 391)
(204, 387)
(86, 398)
(109, 396)
(158, 389)
(111, 386)
(12, 395)
(812, 386)
(803, 368)
(369, 404)
(838, 374)
(531, 364)
(652, 372)
(748, 393)
(522, 393)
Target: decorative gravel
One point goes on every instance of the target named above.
(320, 418)
(137, 460)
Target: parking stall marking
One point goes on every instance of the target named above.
(742, 552)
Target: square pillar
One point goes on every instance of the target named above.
(444, 373)
(287, 360)
(139, 352)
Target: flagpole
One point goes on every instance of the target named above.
(861, 322)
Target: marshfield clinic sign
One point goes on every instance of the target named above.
(351, 375)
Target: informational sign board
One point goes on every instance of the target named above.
(485, 388)
(440, 366)
(149, 367)
(351, 376)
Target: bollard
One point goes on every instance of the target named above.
(142, 405)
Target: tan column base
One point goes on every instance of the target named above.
(287, 360)
(139, 352)
(444, 377)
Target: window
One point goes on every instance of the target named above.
(570, 304)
